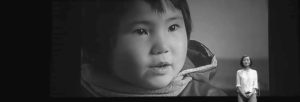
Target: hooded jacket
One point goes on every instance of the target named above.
(197, 55)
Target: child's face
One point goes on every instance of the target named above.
(151, 47)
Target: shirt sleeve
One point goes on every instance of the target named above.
(238, 83)
(255, 80)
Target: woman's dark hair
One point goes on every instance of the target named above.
(241, 61)
(100, 20)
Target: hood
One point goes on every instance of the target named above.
(199, 55)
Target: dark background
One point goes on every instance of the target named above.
(283, 49)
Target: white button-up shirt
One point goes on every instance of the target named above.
(247, 79)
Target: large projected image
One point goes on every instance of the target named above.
(142, 48)
(232, 29)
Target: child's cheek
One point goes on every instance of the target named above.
(130, 58)
(179, 47)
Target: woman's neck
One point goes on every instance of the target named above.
(247, 68)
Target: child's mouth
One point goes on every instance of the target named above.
(161, 64)
(161, 68)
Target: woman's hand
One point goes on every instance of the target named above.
(254, 90)
(243, 93)
(249, 94)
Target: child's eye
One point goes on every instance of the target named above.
(173, 27)
(141, 31)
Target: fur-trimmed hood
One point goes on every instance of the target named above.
(199, 55)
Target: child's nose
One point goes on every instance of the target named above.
(158, 51)
(159, 46)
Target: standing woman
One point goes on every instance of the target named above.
(246, 81)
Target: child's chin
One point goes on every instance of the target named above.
(159, 82)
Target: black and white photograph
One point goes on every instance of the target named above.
(174, 48)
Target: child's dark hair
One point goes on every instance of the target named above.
(242, 64)
(100, 20)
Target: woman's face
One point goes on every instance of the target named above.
(246, 61)
(151, 47)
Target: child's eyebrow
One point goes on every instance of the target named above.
(174, 18)
(145, 22)
(140, 22)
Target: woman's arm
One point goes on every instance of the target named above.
(255, 86)
(238, 85)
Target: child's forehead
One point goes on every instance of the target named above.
(142, 8)
(158, 6)
(142, 11)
